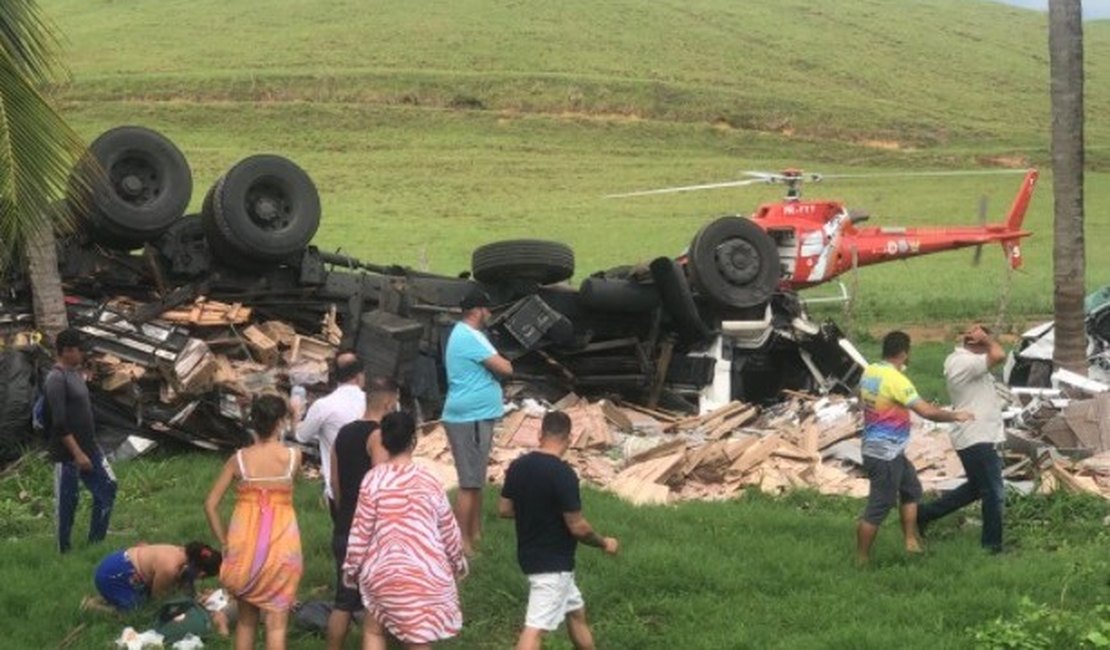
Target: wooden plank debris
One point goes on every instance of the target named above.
(208, 313)
(282, 333)
(329, 327)
(308, 347)
(262, 347)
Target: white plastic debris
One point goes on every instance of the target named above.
(533, 408)
(130, 639)
(828, 410)
(190, 642)
(1078, 381)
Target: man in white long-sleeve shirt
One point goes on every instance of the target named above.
(328, 414)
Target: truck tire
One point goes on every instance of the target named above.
(733, 262)
(535, 260)
(265, 208)
(132, 186)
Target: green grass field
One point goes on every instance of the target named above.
(431, 128)
(754, 573)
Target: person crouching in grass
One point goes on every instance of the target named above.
(128, 578)
(541, 495)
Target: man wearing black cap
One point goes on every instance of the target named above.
(473, 405)
(73, 446)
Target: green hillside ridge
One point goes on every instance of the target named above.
(906, 73)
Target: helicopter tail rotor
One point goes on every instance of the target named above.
(983, 203)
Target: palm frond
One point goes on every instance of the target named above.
(30, 41)
(37, 152)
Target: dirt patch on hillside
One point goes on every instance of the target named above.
(888, 145)
(1007, 162)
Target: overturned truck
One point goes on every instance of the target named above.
(687, 334)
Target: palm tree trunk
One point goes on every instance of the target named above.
(46, 283)
(1065, 44)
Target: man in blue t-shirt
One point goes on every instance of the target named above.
(473, 406)
(541, 495)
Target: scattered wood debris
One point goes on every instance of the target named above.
(209, 313)
(802, 443)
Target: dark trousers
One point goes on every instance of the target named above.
(983, 468)
(99, 481)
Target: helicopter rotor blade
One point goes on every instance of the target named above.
(689, 188)
(767, 176)
(967, 172)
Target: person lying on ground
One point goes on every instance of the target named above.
(221, 608)
(541, 494)
(126, 579)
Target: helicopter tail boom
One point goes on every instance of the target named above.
(1014, 218)
(1021, 202)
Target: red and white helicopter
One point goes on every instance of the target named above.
(794, 244)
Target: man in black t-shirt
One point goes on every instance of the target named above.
(73, 447)
(541, 494)
(357, 448)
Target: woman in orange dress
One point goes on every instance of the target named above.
(262, 546)
(405, 549)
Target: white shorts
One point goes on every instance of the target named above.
(550, 598)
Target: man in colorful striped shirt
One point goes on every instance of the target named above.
(887, 397)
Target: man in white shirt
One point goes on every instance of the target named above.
(328, 414)
(971, 388)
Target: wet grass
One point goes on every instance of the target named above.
(753, 573)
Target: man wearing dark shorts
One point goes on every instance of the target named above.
(887, 397)
(357, 448)
(474, 404)
(541, 494)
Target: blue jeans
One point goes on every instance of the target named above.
(983, 468)
(100, 482)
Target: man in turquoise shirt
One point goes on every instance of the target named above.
(473, 406)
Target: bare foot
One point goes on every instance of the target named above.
(96, 604)
(913, 547)
(862, 561)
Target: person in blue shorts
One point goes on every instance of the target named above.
(126, 579)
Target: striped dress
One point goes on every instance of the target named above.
(404, 552)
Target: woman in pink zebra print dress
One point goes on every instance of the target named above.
(405, 549)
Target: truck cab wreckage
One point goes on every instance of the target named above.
(188, 315)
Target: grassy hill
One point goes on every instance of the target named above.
(433, 127)
(922, 72)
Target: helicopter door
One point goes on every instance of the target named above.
(786, 240)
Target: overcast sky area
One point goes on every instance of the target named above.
(1091, 8)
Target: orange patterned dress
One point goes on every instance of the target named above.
(404, 552)
(263, 564)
